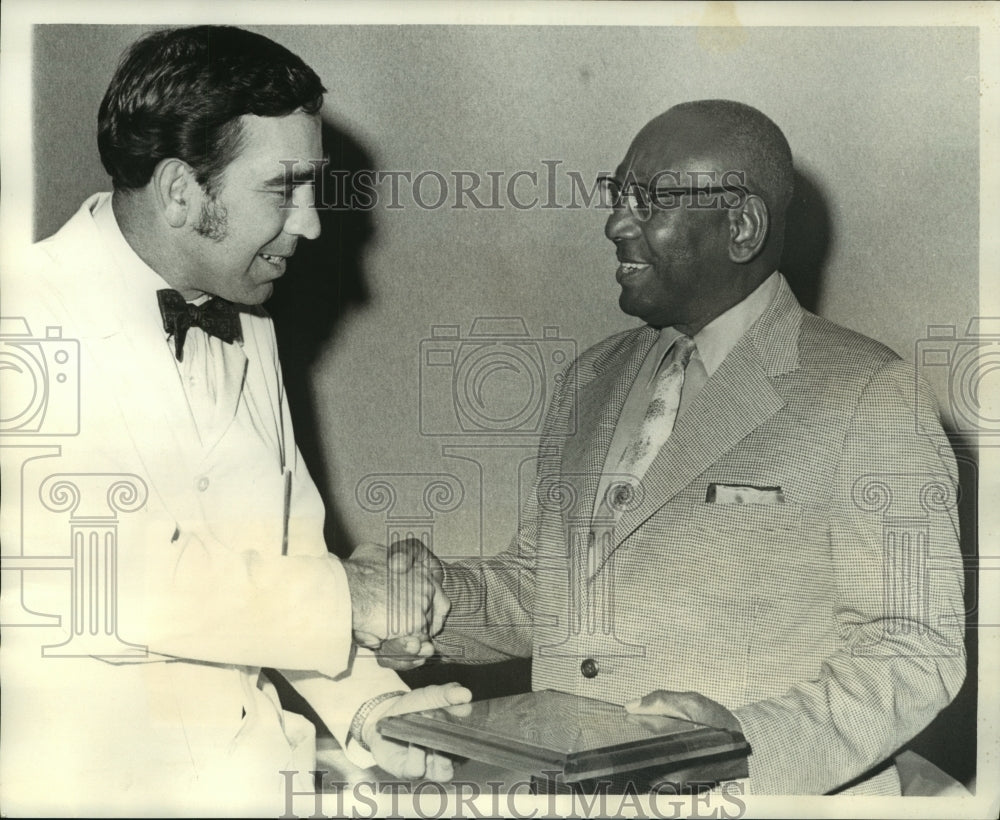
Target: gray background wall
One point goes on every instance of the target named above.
(883, 123)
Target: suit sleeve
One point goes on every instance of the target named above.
(492, 600)
(893, 537)
(338, 689)
(201, 600)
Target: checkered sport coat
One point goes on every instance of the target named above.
(830, 622)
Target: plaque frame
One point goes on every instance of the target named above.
(511, 732)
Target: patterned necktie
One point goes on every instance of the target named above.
(658, 423)
(216, 317)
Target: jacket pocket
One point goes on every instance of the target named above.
(711, 519)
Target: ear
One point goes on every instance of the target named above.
(176, 191)
(748, 226)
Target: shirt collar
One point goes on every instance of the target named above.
(718, 337)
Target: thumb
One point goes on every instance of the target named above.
(407, 552)
(367, 639)
(402, 645)
(433, 697)
(400, 561)
(655, 703)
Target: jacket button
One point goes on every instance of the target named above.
(203, 483)
(589, 668)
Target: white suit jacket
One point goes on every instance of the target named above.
(830, 620)
(204, 595)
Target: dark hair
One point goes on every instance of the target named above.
(180, 92)
(753, 140)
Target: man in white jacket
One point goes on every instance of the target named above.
(194, 527)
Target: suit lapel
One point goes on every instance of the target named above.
(599, 404)
(155, 409)
(124, 332)
(738, 398)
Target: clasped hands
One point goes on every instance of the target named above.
(397, 600)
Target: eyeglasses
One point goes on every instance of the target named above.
(642, 201)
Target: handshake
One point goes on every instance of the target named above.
(397, 601)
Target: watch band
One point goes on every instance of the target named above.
(361, 716)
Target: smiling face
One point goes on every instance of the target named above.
(237, 242)
(674, 268)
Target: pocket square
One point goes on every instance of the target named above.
(743, 494)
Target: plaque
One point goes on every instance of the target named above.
(564, 738)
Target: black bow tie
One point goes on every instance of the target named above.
(216, 317)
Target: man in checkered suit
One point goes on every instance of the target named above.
(787, 565)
